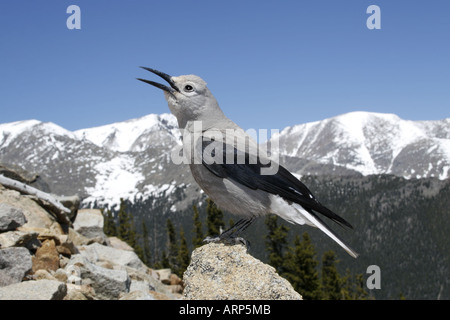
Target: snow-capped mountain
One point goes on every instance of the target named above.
(131, 159)
(368, 143)
(136, 135)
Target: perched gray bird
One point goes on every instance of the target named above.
(229, 167)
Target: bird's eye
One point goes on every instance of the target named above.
(188, 88)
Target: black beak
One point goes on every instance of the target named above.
(163, 75)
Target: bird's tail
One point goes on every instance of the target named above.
(317, 222)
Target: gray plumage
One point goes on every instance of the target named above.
(237, 177)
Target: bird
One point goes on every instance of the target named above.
(227, 164)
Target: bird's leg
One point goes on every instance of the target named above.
(231, 235)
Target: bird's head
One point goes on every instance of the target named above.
(188, 96)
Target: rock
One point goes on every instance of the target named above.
(89, 223)
(175, 288)
(144, 286)
(42, 274)
(79, 292)
(107, 284)
(44, 199)
(65, 246)
(60, 275)
(18, 239)
(36, 216)
(74, 294)
(96, 252)
(137, 295)
(175, 280)
(119, 244)
(10, 217)
(46, 257)
(164, 275)
(15, 264)
(34, 290)
(78, 239)
(223, 272)
(157, 295)
(150, 279)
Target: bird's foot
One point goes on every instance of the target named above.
(228, 241)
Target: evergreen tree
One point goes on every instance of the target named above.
(145, 244)
(173, 248)
(197, 241)
(124, 223)
(300, 265)
(183, 254)
(214, 218)
(276, 242)
(353, 287)
(127, 230)
(132, 235)
(109, 226)
(331, 281)
(164, 262)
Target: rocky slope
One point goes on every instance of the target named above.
(42, 258)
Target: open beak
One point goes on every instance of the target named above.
(163, 75)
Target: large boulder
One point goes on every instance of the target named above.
(18, 238)
(96, 252)
(10, 217)
(89, 223)
(107, 283)
(37, 217)
(46, 257)
(15, 264)
(34, 290)
(224, 272)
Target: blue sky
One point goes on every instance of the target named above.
(270, 64)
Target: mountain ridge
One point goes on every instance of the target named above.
(372, 143)
(132, 159)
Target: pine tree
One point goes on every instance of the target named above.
(173, 248)
(145, 244)
(132, 235)
(276, 242)
(331, 281)
(183, 255)
(214, 219)
(300, 265)
(197, 241)
(164, 262)
(127, 230)
(360, 288)
(124, 223)
(353, 287)
(109, 226)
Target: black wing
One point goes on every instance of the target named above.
(283, 183)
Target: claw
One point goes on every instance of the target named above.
(230, 241)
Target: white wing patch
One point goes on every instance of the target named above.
(296, 214)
